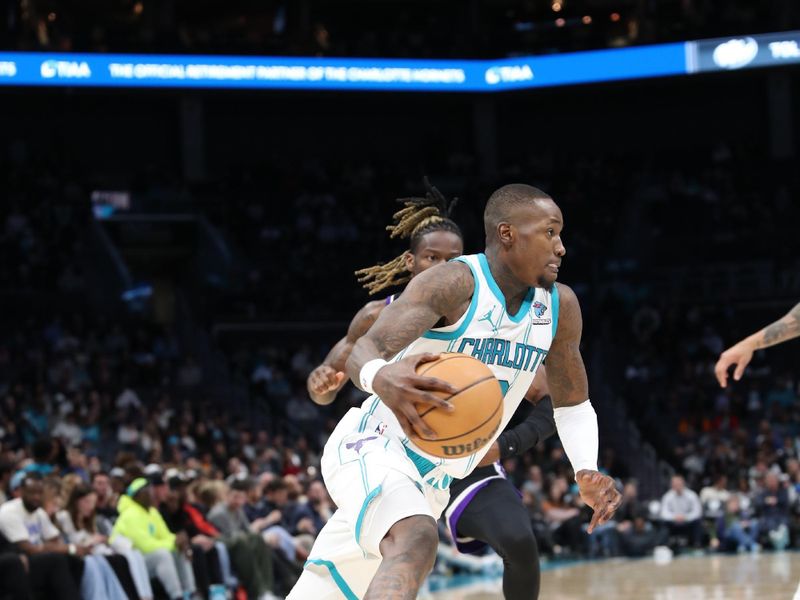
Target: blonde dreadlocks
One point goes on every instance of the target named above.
(417, 218)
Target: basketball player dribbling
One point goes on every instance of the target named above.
(485, 508)
(381, 542)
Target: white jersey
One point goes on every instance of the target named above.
(512, 346)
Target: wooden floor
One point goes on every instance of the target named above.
(768, 576)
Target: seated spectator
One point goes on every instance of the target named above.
(107, 498)
(78, 523)
(681, 511)
(319, 504)
(15, 583)
(772, 508)
(640, 538)
(532, 499)
(185, 519)
(564, 518)
(256, 506)
(296, 517)
(43, 453)
(164, 552)
(735, 533)
(242, 536)
(56, 568)
(229, 517)
(630, 508)
(714, 497)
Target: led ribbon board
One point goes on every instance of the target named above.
(308, 73)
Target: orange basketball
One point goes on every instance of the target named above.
(478, 407)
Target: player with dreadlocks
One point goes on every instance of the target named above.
(485, 508)
(433, 238)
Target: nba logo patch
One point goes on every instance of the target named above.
(381, 428)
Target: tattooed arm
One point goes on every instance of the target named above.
(566, 374)
(442, 291)
(327, 379)
(741, 354)
(576, 421)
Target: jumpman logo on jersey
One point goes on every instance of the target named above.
(488, 317)
(357, 445)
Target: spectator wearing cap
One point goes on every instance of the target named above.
(165, 553)
(56, 568)
(158, 485)
(118, 481)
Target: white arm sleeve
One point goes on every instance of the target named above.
(577, 428)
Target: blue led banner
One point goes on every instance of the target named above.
(307, 73)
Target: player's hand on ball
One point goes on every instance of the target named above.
(599, 492)
(401, 389)
(740, 355)
(325, 379)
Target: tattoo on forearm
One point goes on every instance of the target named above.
(568, 382)
(419, 309)
(785, 329)
(399, 334)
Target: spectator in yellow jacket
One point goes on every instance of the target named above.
(165, 554)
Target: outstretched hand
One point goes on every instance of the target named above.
(599, 492)
(740, 355)
(401, 389)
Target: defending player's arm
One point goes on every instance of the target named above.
(576, 420)
(327, 379)
(442, 291)
(538, 426)
(741, 354)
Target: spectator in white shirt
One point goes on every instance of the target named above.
(681, 511)
(54, 565)
(714, 497)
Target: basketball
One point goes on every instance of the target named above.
(478, 406)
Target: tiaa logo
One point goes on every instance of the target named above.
(65, 68)
(495, 75)
(735, 53)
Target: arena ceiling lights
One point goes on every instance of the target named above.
(359, 74)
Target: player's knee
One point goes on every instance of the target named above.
(414, 536)
(518, 546)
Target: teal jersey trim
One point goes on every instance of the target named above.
(337, 577)
(526, 304)
(363, 511)
(432, 334)
(423, 465)
(554, 308)
(365, 419)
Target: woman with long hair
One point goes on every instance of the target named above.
(78, 522)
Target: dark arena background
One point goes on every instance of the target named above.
(186, 190)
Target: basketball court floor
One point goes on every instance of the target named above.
(767, 576)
